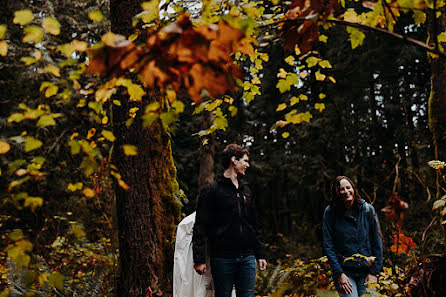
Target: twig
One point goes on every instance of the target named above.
(407, 39)
(396, 175)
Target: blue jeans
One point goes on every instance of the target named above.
(358, 285)
(240, 272)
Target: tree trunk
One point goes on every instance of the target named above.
(207, 152)
(437, 99)
(147, 211)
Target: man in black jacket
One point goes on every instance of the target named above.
(226, 217)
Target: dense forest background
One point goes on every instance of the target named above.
(67, 216)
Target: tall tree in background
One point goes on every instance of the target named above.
(146, 211)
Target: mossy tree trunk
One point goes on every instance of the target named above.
(437, 99)
(147, 212)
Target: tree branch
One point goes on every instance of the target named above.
(405, 38)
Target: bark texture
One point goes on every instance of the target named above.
(147, 212)
(207, 152)
(437, 99)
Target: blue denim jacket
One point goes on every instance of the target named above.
(345, 235)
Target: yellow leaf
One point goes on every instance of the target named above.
(303, 74)
(45, 121)
(282, 73)
(171, 95)
(133, 36)
(80, 46)
(95, 16)
(297, 50)
(285, 134)
(322, 96)
(108, 135)
(294, 100)
(320, 76)
(33, 203)
(351, 16)
(88, 193)
(75, 187)
(289, 60)
(281, 106)
(130, 150)
(123, 184)
(332, 79)
(91, 133)
(32, 143)
(312, 61)
(104, 94)
(51, 25)
(53, 70)
(23, 17)
(178, 105)
(303, 97)
(51, 91)
(135, 92)
(323, 38)
(28, 60)
(56, 280)
(319, 106)
(3, 48)
(256, 80)
(77, 230)
(32, 34)
(66, 49)
(4, 147)
(2, 31)
(325, 64)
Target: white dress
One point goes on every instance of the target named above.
(186, 282)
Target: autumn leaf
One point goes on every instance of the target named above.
(402, 243)
(4, 147)
(80, 46)
(23, 17)
(32, 34)
(320, 76)
(319, 106)
(89, 193)
(66, 49)
(33, 203)
(3, 48)
(3, 29)
(95, 16)
(51, 25)
(32, 143)
(108, 135)
(75, 187)
(130, 150)
(285, 134)
(45, 121)
(281, 107)
(54, 70)
(282, 73)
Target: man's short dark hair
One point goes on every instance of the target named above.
(233, 150)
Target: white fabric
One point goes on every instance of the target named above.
(186, 282)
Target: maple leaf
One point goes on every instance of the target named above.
(402, 243)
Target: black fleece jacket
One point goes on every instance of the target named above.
(227, 218)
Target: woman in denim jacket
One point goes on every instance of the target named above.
(352, 239)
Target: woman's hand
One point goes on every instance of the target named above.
(344, 283)
(262, 264)
(371, 278)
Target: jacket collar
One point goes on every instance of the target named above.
(221, 179)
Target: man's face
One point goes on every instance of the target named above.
(241, 164)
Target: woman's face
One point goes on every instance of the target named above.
(346, 192)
